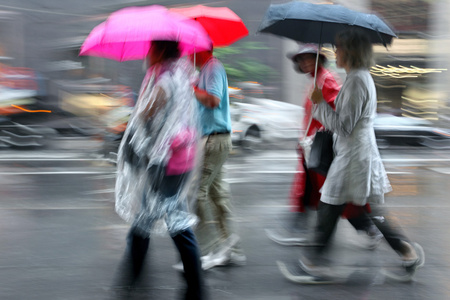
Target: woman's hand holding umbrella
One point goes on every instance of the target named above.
(316, 96)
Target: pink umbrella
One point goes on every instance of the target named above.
(127, 33)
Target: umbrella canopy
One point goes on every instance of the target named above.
(127, 33)
(223, 26)
(319, 23)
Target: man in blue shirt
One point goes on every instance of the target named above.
(219, 245)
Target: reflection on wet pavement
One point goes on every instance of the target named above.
(61, 238)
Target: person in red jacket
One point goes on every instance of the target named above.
(305, 190)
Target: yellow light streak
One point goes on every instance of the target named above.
(234, 88)
(417, 118)
(390, 86)
(420, 101)
(417, 106)
(420, 113)
(402, 71)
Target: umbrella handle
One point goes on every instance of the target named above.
(317, 63)
(313, 110)
(317, 56)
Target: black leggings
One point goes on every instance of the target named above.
(328, 216)
(184, 241)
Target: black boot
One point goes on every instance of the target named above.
(186, 244)
(137, 246)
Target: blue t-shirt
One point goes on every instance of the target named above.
(213, 79)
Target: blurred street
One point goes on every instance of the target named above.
(61, 238)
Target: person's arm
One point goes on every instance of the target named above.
(208, 100)
(212, 92)
(330, 90)
(342, 122)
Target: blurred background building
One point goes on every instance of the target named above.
(45, 36)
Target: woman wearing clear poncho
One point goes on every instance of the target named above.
(156, 159)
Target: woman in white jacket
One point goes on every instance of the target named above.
(357, 174)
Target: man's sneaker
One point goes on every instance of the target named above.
(220, 258)
(214, 260)
(208, 261)
(227, 245)
(238, 259)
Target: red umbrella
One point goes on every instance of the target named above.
(221, 23)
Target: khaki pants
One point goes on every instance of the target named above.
(213, 205)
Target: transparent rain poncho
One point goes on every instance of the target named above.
(157, 155)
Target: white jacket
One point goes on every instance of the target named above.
(357, 173)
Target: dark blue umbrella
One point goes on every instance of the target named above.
(319, 23)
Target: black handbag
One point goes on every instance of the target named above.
(322, 153)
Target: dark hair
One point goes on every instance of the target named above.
(169, 49)
(356, 48)
(322, 60)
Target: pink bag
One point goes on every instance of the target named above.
(183, 152)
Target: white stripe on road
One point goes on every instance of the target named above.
(110, 176)
(415, 159)
(399, 173)
(383, 159)
(58, 208)
(441, 170)
(56, 173)
(96, 192)
(384, 205)
(271, 172)
(108, 207)
(239, 180)
(51, 159)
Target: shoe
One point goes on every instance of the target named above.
(208, 261)
(412, 265)
(237, 259)
(409, 255)
(313, 268)
(179, 266)
(214, 260)
(375, 237)
(220, 258)
(283, 240)
(227, 245)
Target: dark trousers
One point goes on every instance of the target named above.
(360, 222)
(188, 249)
(328, 216)
(185, 242)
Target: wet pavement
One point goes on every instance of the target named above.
(61, 238)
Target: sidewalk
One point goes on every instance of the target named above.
(61, 239)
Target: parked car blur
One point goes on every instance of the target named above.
(391, 131)
(258, 122)
(21, 89)
(107, 107)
